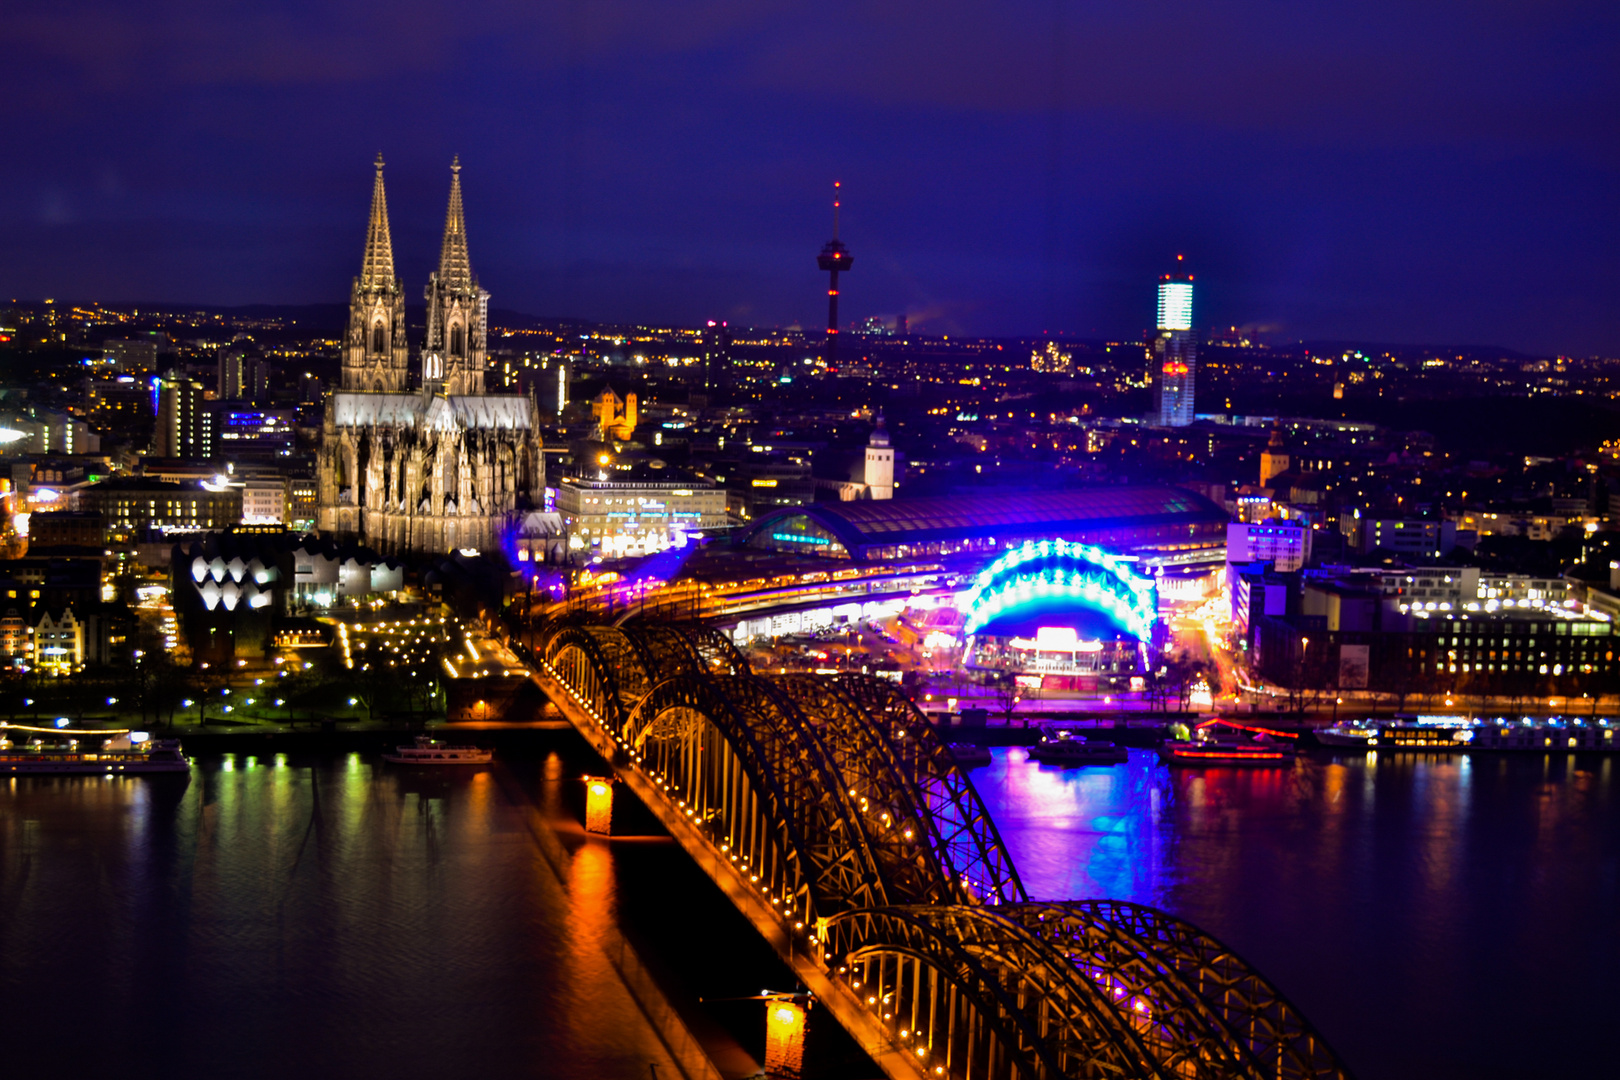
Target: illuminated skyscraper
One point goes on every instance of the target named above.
(716, 355)
(1175, 352)
(180, 418)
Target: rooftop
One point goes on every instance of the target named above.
(1057, 513)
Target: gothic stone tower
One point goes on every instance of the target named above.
(456, 348)
(441, 467)
(376, 356)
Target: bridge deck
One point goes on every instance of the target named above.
(873, 1038)
(828, 811)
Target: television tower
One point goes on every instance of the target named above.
(833, 258)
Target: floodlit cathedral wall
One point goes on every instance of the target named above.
(442, 466)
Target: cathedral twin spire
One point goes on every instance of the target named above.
(455, 270)
(454, 351)
(377, 269)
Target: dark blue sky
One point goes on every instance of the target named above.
(1413, 171)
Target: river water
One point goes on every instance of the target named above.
(1436, 917)
(302, 918)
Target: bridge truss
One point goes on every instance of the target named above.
(833, 815)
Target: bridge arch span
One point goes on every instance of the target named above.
(1215, 1001)
(875, 788)
(972, 993)
(576, 657)
(611, 668)
(964, 836)
(737, 761)
(807, 789)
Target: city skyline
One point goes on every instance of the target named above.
(1165, 621)
(1392, 177)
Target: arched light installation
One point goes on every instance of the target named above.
(1057, 569)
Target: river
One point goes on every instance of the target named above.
(327, 916)
(1435, 916)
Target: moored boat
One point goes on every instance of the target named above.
(1222, 743)
(1061, 747)
(1463, 733)
(1348, 733)
(429, 751)
(969, 756)
(120, 755)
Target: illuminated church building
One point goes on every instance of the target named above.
(440, 465)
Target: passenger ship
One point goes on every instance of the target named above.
(427, 751)
(1224, 742)
(1470, 733)
(118, 756)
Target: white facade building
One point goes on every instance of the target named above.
(264, 502)
(1285, 544)
(637, 517)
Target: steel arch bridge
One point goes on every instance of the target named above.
(831, 813)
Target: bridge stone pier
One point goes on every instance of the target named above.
(830, 813)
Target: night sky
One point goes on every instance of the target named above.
(1413, 172)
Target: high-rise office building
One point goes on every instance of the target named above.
(716, 355)
(180, 417)
(228, 384)
(1175, 352)
(243, 374)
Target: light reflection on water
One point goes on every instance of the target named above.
(319, 918)
(1437, 916)
(1077, 833)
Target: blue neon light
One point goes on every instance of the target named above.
(1053, 569)
(795, 539)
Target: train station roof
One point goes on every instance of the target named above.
(1080, 514)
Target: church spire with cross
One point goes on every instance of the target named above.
(454, 352)
(376, 355)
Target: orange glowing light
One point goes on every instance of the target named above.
(599, 805)
(1224, 754)
(784, 1039)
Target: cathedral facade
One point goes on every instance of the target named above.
(438, 465)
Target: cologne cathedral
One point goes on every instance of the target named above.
(438, 465)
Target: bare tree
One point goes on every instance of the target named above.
(1005, 691)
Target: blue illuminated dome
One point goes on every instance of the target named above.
(1039, 578)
